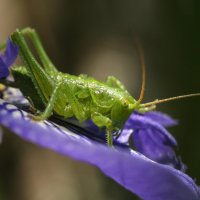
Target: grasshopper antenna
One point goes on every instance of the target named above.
(157, 101)
(143, 68)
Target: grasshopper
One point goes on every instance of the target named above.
(108, 104)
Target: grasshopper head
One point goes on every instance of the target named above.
(121, 111)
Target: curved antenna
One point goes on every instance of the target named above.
(157, 101)
(143, 68)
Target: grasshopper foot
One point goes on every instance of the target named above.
(36, 117)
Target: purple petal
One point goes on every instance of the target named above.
(14, 96)
(4, 72)
(8, 58)
(152, 140)
(148, 144)
(161, 118)
(124, 136)
(158, 117)
(136, 122)
(10, 53)
(148, 179)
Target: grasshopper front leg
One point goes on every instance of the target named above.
(73, 108)
(50, 106)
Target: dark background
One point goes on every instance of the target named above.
(96, 37)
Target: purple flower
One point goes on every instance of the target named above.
(8, 58)
(148, 179)
(151, 138)
(141, 171)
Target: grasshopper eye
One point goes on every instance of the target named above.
(125, 103)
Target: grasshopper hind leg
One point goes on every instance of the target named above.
(32, 34)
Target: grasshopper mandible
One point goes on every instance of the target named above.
(108, 104)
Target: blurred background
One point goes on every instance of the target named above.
(97, 38)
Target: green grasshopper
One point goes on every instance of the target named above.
(108, 104)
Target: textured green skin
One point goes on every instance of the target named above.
(94, 96)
